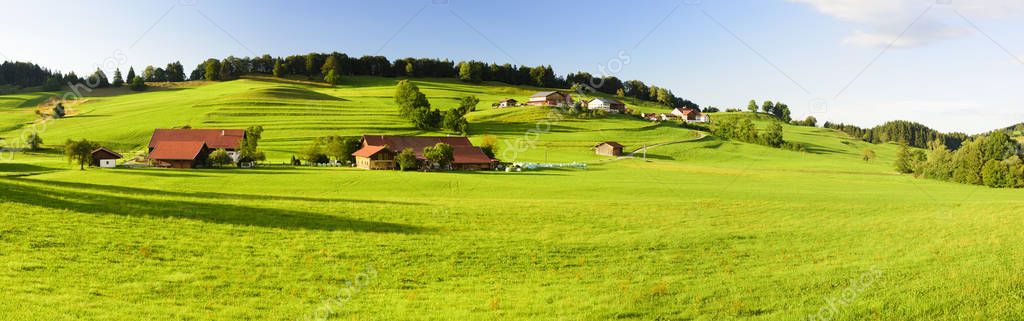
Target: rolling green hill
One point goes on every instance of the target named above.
(704, 229)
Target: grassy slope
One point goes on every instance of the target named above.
(708, 230)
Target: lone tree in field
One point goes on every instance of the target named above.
(33, 141)
(58, 111)
(406, 159)
(409, 98)
(79, 152)
(220, 157)
(868, 154)
(752, 106)
(441, 154)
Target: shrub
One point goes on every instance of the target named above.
(406, 159)
(34, 141)
(441, 154)
(138, 84)
(220, 157)
(868, 154)
(995, 174)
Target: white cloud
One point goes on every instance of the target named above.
(905, 23)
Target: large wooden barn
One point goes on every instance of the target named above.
(378, 152)
(189, 148)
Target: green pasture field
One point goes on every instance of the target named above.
(701, 230)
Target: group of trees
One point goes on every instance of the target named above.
(414, 106)
(321, 65)
(810, 121)
(323, 149)
(331, 67)
(439, 156)
(778, 109)
(744, 130)
(992, 160)
(901, 131)
(26, 74)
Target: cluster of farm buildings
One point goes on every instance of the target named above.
(191, 148)
(560, 99)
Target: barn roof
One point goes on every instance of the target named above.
(177, 150)
(369, 151)
(612, 144)
(609, 101)
(103, 151)
(470, 155)
(398, 143)
(462, 148)
(214, 138)
(545, 94)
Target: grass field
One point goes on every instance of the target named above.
(704, 230)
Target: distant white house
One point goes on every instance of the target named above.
(507, 102)
(690, 115)
(608, 105)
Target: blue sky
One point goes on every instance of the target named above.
(953, 65)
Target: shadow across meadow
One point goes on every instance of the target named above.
(96, 199)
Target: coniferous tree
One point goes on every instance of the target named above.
(118, 80)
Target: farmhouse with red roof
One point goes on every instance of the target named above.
(378, 152)
(189, 148)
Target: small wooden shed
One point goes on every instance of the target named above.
(104, 158)
(609, 149)
(507, 102)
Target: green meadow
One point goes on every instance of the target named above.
(702, 229)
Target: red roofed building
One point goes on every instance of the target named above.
(180, 154)
(378, 152)
(691, 115)
(188, 148)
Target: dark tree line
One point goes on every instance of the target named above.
(312, 66)
(26, 74)
(901, 131)
(318, 66)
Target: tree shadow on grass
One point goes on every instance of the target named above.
(207, 195)
(20, 168)
(84, 199)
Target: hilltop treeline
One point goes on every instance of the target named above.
(319, 65)
(901, 131)
(26, 74)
